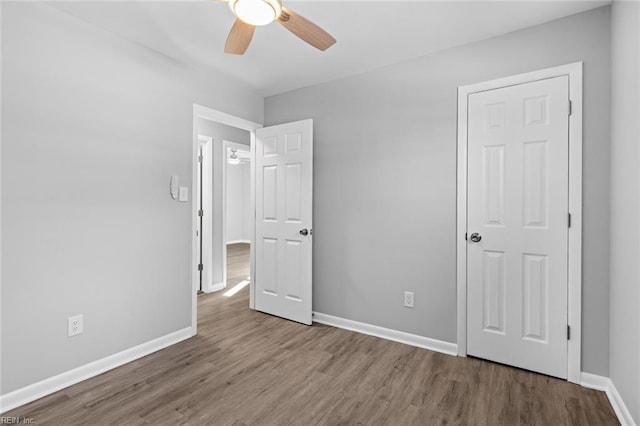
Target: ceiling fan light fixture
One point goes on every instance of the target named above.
(233, 158)
(256, 12)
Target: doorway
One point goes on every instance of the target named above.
(281, 197)
(217, 126)
(519, 220)
(222, 209)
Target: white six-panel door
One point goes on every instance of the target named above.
(518, 208)
(283, 243)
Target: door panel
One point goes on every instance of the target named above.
(535, 184)
(493, 297)
(293, 193)
(270, 194)
(518, 193)
(284, 194)
(293, 270)
(534, 301)
(494, 185)
(269, 270)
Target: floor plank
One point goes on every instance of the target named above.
(248, 368)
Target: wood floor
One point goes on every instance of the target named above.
(237, 263)
(249, 368)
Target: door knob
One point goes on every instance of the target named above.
(475, 237)
(304, 231)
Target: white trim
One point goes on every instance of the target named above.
(594, 381)
(212, 288)
(461, 226)
(601, 383)
(252, 223)
(221, 154)
(574, 312)
(206, 144)
(239, 242)
(386, 333)
(574, 300)
(53, 384)
(200, 111)
(1, 209)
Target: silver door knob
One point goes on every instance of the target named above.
(475, 237)
(304, 231)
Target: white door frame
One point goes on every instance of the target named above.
(206, 143)
(574, 313)
(200, 111)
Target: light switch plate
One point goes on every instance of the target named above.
(184, 194)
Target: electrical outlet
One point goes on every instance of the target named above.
(75, 326)
(408, 299)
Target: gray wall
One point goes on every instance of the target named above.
(385, 178)
(238, 202)
(625, 205)
(93, 127)
(223, 132)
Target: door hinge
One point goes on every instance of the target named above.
(568, 332)
(199, 158)
(200, 213)
(200, 267)
(570, 107)
(569, 220)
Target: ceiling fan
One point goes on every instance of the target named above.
(235, 156)
(252, 13)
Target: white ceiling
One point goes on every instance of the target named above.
(370, 34)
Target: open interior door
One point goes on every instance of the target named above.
(283, 242)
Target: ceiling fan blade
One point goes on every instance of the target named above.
(239, 38)
(306, 30)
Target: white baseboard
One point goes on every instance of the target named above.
(211, 288)
(239, 241)
(593, 381)
(53, 384)
(605, 384)
(386, 333)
